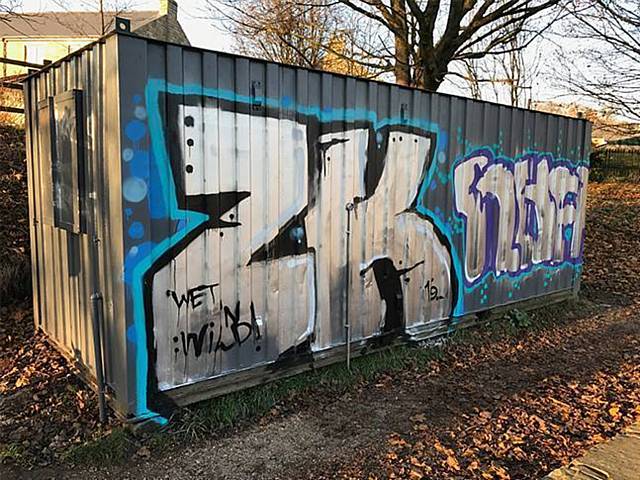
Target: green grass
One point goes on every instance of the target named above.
(13, 452)
(114, 448)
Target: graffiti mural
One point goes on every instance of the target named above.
(519, 213)
(400, 267)
(238, 216)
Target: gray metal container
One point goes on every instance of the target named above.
(251, 217)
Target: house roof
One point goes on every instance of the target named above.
(66, 24)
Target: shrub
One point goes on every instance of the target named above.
(15, 281)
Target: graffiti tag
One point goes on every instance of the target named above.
(210, 337)
(519, 213)
(194, 297)
(433, 291)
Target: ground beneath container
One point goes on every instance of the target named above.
(499, 407)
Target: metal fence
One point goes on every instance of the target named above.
(616, 162)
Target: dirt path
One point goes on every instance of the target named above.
(513, 406)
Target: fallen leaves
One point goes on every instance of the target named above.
(453, 463)
(611, 254)
(44, 407)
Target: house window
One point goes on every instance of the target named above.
(62, 143)
(35, 53)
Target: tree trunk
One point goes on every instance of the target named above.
(402, 66)
(431, 71)
(431, 82)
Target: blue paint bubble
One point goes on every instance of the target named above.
(136, 230)
(134, 189)
(140, 112)
(139, 164)
(137, 99)
(127, 154)
(135, 130)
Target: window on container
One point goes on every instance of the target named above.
(66, 154)
(46, 154)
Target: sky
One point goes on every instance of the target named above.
(204, 33)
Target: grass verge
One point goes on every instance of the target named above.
(12, 452)
(114, 448)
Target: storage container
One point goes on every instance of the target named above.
(243, 220)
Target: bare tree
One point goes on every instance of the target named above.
(509, 78)
(278, 30)
(10, 7)
(9, 10)
(506, 78)
(605, 66)
(307, 34)
(429, 35)
(473, 78)
(513, 66)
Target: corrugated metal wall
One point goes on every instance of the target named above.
(237, 184)
(250, 210)
(62, 259)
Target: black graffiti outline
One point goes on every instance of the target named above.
(216, 205)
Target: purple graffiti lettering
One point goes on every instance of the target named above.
(519, 213)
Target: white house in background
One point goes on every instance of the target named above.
(35, 37)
